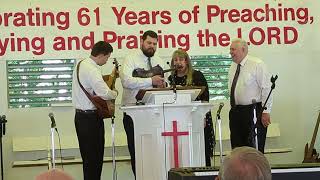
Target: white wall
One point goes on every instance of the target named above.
(296, 97)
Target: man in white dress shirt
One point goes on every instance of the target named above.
(89, 125)
(131, 85)
(249, 86)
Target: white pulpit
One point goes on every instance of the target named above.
(168, 132)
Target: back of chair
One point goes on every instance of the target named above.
(54, 174)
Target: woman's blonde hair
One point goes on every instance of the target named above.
(183, 54)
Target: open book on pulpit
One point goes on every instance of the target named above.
(179, 95)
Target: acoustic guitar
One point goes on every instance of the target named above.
(106, 108)
(310, 154)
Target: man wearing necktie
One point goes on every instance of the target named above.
(249, 85)
(142, 58)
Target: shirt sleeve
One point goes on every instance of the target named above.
(130, 82)
(263, 78)
(100, 87)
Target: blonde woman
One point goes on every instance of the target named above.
(185, 75)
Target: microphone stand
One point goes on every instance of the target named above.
(3, 122)
(255, 134)
(174, 85)
(52, 129)
(273, 81)
(220, 136)
(114, 167)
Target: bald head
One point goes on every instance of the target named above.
(245, 163)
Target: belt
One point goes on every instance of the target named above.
(245, 106)
(86, 111)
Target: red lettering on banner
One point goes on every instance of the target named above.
(131, 41)
(85, 18)
(118, 14)
(210, 14)
(259, 36)
(212, 39)
(233, 15)
(273, 32)
(131, 18)
(36, 44)
(266, 13)
(286, 35)
(164, 41)
(34, 17)
(141, 17)
(255, 15)
(73, 42)
(262, 36)
(185, 17)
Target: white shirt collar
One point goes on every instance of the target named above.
(91, 61)
(244, 60)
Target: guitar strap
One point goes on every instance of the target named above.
(84, 90)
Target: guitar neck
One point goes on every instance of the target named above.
(113, 81)
(110, 80)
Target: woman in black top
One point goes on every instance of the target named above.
(185, 75)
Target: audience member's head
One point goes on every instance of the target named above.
(245, 163)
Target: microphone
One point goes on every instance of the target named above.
(173, 83)
(53, 122)
(175, 66)
(220, 107)
(273, 79)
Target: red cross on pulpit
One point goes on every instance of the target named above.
(175, 135)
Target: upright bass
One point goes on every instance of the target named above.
(310, 154)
